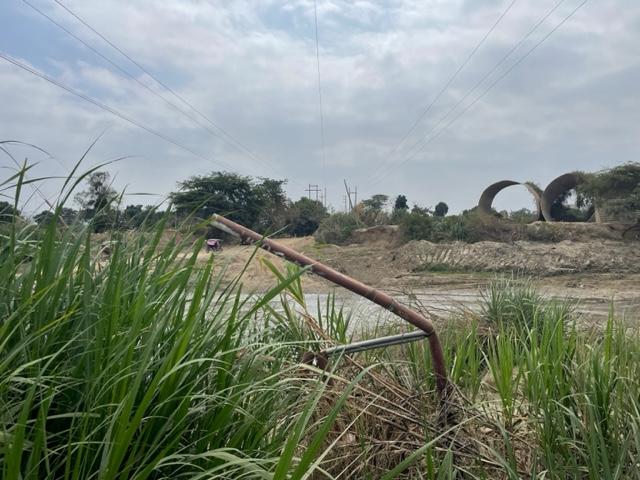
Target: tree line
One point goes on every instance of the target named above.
(258, 203)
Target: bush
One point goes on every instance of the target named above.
(419, 225)
(336, 228)
(416, 225)
(471, 227)
(616, 191)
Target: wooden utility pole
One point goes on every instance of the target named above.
(349, 193)
(313, 189)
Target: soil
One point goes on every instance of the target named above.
(593, 272)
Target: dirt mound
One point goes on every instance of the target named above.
(525, 257)
(575, 231)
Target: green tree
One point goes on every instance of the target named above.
(8, 212)
(132, 216)
(135, 216)
(44, 217)
(222, 193)
(401, 203)
(524, 216)
(258, 205)
(97, 202)
(273, 200)
(441, 209)
(417, 225)
(372, 210)
(616, 192)
(304, 217)
(67, 216)
(400, 209)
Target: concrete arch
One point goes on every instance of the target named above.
(556, 188)
(489, 194)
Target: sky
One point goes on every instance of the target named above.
(433, 99)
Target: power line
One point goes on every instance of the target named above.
(424, 113)
(110, 110)
(324, 160)
(229, 138)
(126, 73)
(487, 75)
(377, 176)
(425, 141)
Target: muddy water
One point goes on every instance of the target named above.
(592, 308)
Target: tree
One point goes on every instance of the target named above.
(400, 209)
(304, 217)
(8, 212)
(273, 200)
(66, 217)
(44, 217)
(132, 216)
(441, 209)
(616, 192)
(135, 216)
(257, 205)
(372, 210)
(401, 204)
(524, 215)
(97, 202)
(222, 193)
(417, 225)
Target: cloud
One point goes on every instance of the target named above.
(251, 67)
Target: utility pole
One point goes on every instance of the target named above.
(349, 194)
(314, 189)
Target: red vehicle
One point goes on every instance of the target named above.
(213, 245)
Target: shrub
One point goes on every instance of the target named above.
(337, 228)
(417, 225)
(420, 225)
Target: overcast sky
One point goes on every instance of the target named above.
(250, 68)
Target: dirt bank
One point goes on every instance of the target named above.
(531, 258)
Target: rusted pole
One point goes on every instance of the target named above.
(376, 296)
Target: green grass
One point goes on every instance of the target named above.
(145, 365)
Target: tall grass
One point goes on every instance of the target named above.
(147, 364)
(539, 397)
(144, 365)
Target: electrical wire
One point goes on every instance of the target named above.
(487, 75)
(461, 67)
(111, 110)
(230, 138)
(324, 159)
(131, 76)
(380, 174)
(427, 141)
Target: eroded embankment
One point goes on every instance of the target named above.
(533, 258)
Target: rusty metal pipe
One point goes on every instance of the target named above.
(376, 296)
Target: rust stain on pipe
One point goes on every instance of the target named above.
(376, 296)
